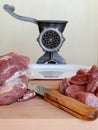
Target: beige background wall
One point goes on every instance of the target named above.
(81, 32)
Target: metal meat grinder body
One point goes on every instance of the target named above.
(50, 38)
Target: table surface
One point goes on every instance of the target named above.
(39, 109)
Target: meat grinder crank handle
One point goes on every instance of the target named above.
(10, 10)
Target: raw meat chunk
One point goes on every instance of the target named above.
(14, 78)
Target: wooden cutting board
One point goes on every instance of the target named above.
(40, 115)
(35, 108)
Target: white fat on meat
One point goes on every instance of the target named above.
(28, 95)
(9, 68)
(5, 57)
(15, 76)
(26, 72)
(7, 87)
(10, 83)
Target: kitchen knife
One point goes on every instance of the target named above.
(68, 104)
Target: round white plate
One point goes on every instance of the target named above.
(49, 71)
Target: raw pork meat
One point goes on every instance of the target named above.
(14, 78)
(83, 86)
(10, 64)
(88, 98)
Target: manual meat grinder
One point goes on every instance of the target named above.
(50, 38)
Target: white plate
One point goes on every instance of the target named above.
(49, 71)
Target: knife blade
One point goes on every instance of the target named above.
(68, 104)
(39, 89)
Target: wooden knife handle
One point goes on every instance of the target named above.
(77, 115)
(72, 106)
